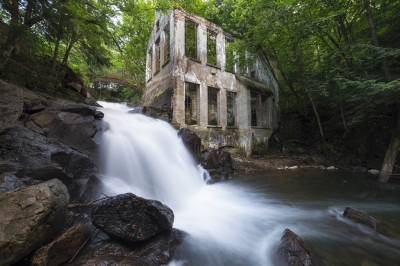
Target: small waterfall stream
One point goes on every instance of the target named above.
(229, 224)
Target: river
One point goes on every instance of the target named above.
(240, 221)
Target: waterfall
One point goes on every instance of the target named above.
(228, 225)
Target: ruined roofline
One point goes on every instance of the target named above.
(206, 21)
(227, 33)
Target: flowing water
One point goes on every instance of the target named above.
(240, 222)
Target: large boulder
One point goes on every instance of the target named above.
(293, 251)
(8, 182)
(360, 217)
(29, 218)
(132, 218)
(218, 163)
(192, 142)
(156, 251)
(30, 154)
(11, 105)
(76, 125)
(62, 248)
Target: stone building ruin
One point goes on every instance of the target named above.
(192, 69)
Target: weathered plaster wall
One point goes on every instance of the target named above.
(160, 85)
(183, 69)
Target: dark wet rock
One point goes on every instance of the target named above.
(29, 218)
(9, 182)
(218, 163)
(77, 189)
(75, 83)
(11, 105)
(78, 215)
(75, 86)
(81, 109)
(62, 248)
(99, 115)
(158, 250)
(360, 217)
(92, 190)
(293, 251)
(85, 92)
(136, 110)
(132, 218)
(33, 156)
(33, 102)
(192, 142)
(75, 125)
(360, 169)
(312, 160)
(162, 113)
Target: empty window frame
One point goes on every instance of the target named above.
(265, 118)
(191, 103)
(260, 116)
(158, 60)
(157, 26)
(254, 107)
(231, 108)
(211, 47)
(149, 64)
(229, 55)
(167, 53)
(213, 106)
(190, 39)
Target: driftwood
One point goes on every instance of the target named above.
(86, 205)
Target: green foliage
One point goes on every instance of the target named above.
(132, 96)
(325, 53)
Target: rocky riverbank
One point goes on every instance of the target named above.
(49, 183)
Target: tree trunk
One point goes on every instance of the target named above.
(317, 116)
(391, 153)
(70, 45)
(29, 9)
(342, 112)
(375, 39)
(53, 67)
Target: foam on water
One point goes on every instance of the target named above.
(144, 156)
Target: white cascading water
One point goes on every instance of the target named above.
(228, 225)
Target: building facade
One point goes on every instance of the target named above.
(192, 69)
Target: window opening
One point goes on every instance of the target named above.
(190, 39)
(254, 108)
(157, 66)
(211, 47)
(158, 26)
(229, 55)
(191, 103)
(231, 108)
(166, 44)
(213, 106)
(149, 64)
(264, 111)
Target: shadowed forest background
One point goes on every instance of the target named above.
(338, 61)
